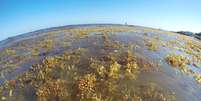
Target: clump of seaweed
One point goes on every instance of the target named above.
(131, 69)
(147, 92)
(98, 68)
(53, 90)
(177, 60)
(151, 91)
(152, 45)
(86, 86)
(114, 70)
(197, 77)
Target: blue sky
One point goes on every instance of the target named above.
(21, 16)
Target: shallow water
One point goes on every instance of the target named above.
(161, 73)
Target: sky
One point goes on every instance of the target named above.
(22, 16)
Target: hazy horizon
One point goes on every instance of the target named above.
(22, 16)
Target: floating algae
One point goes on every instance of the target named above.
(88, 64)
(177, 60)
(103, 80)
